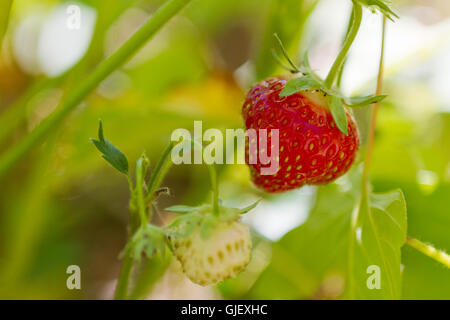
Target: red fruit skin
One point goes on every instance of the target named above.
(312, 149)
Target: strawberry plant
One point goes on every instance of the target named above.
(209, 241)
(319, 141)
(361, 182)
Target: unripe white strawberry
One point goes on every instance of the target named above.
(222, 255)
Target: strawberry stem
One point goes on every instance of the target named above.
(159, 173)
(364, 201)
(215, 189)
(293, 68)
(341, 72)
(4, 18)
(213, 176)
(429, 250)
(371, 138)
(140, 171)
(124, 277)
(337, 65)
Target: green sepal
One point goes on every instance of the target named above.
(202, 217)
(250, 207)
(183, 225)
(182, 209)
(379, 5)
(363, 101)
(110, 153)
(207, 226)
(299, 84)
(338, 113)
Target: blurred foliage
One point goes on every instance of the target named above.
(63, 205)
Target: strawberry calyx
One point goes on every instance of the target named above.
(336, 101)
(309, 80)
(203, 217)
(382, 6)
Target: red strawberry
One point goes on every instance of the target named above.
(312, 150)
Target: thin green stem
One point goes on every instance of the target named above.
(282, 64)
(373, 123)
(17, 111)
(126, 51)
(364, 200)
(151, 271)
(5, 9)
(285, 54)
(28, 218)
(349, 28)
(140, 171)
(215, 188)
(159, 172)
(337, 65)
(130, 184)
(214, 184)
(138, 194)
(430, 251)
(124, 278)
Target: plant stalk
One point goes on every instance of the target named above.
(430, 251)
(373, 121)
(14, 114)
(215, 188)
(213, 176)
(124, 278)
(5, 9)
(159, 173)
(337, 65)
(349, 27)
(126, 51)
(364, 200)
(140, 171)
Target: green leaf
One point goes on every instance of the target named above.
(363, 101)
(299, 84)
(338, 112)
(143, 246)
(183, 225)
(304, 258)
(380, 5)
(181, 209)
(250, 207)
(319, 251)
(376, 238)
(306, 61)
(110, 153)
